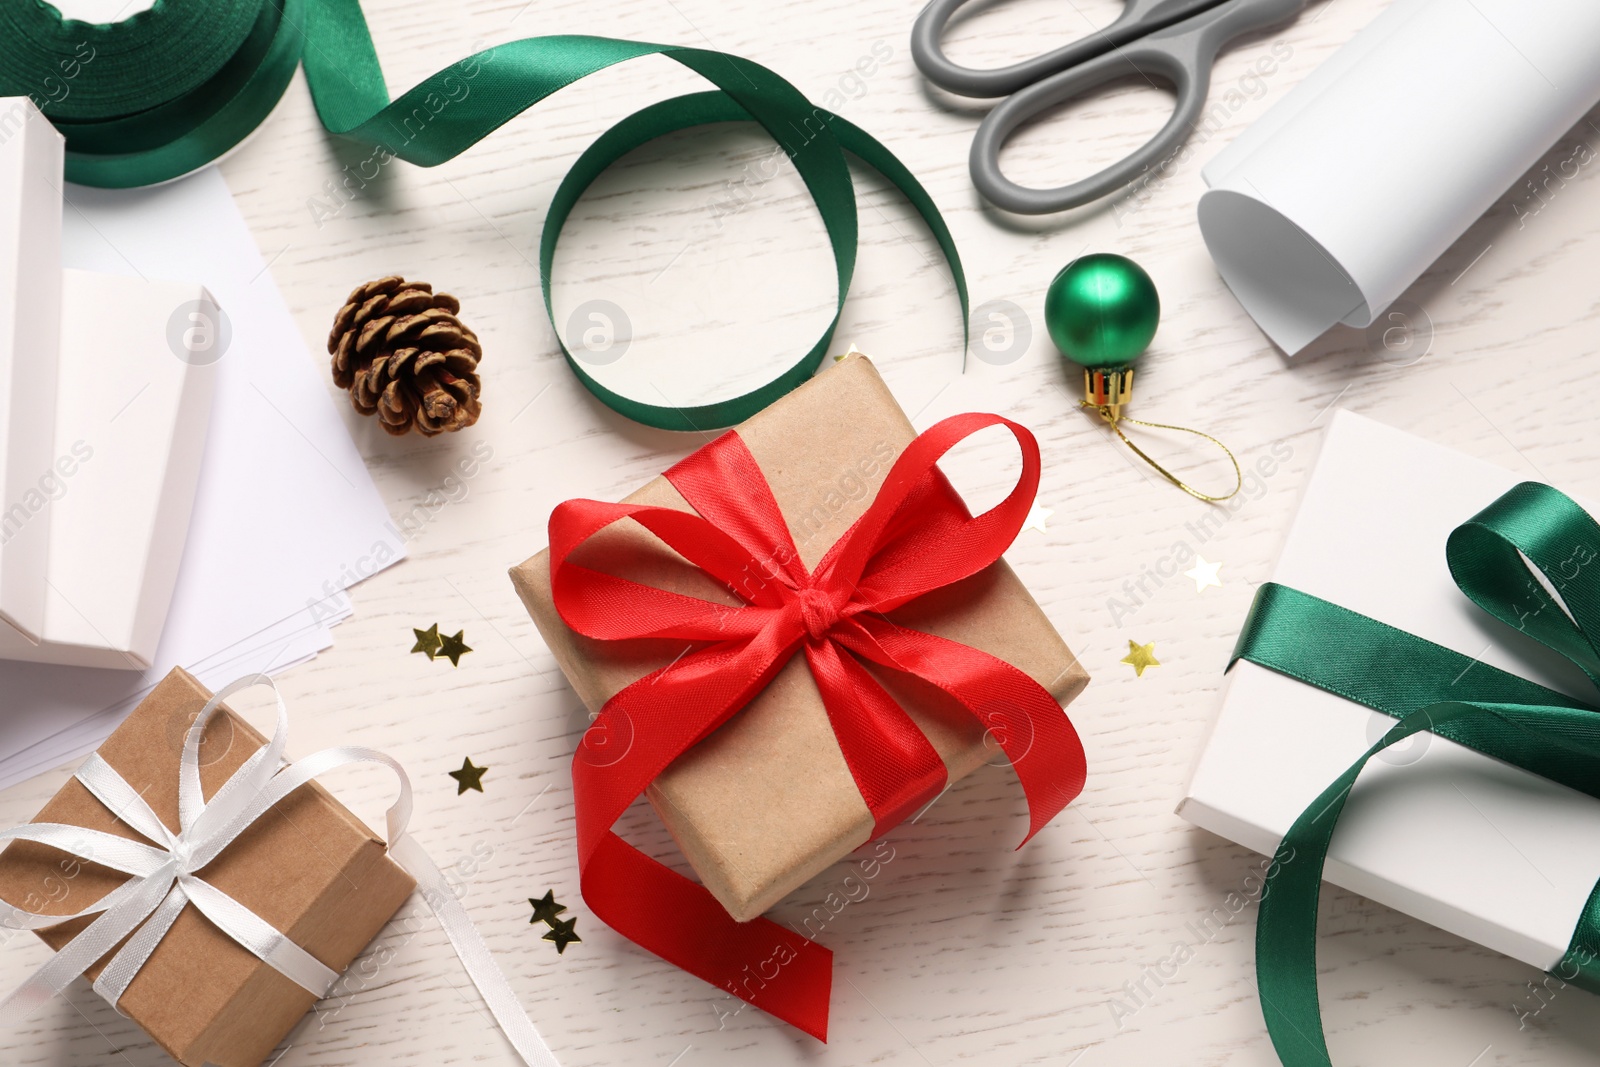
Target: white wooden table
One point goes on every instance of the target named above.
(963, 951)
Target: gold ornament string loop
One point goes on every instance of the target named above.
(1113, 419)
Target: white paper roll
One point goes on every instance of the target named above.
(1342, 194)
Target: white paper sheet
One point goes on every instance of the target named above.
(277, 649)
(1343, 193)
(1468, 843)
(285, 516)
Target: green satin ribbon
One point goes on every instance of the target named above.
(701, 109)
(1431, 688)
(172, 88)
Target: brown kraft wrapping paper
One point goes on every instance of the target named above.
(766, 801)
(309, 867)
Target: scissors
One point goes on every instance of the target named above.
(1174, 41)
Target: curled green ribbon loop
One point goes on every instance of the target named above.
(174, 87)
(1431, 688)
(702, 109)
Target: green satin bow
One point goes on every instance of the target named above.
(1431, 688)
(174, 87)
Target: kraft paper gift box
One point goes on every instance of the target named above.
(115, 493)
(1475, 846)
(317, 873)
(31, 159)
(766, 801)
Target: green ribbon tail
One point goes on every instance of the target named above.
(1286, 925)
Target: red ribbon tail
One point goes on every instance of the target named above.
(760, 962)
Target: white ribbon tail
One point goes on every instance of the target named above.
(248, 779)
(124, 966)
(79, 953)
(260, 937)
(475, 956)
(18, 919)
(121, 799)
(108, 850)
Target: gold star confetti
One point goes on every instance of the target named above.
(1204, 574)
(851, 351)
(545, 908)
(468, 777)
(453, 648)
(562, 932)
(1141, 656)
(1038, 516)
(427, 641)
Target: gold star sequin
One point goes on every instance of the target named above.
(453, 648)
(562, 932)
(545, 908)
(1141, 656)
(468, 777)
(427, 641)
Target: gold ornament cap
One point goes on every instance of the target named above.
(1108, 389)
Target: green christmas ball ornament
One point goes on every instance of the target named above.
(1102, 311)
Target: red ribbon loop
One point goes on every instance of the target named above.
(915, 537)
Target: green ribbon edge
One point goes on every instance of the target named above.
(1432, 688)
(122, 136)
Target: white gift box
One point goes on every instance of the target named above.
(132, 412)
(31, 155)
(1482, 849)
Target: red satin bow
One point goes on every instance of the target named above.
(915, 537)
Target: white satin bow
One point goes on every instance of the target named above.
(162, 878)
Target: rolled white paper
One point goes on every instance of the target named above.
(1342, 194)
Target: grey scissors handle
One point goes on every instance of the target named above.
(1138, 19)
(1180, 55)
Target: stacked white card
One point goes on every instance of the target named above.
(1475, 846)
(226, 552)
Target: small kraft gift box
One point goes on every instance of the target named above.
(310, 869)
(766, 797)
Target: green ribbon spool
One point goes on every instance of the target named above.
(1429, 688)
(172, 88)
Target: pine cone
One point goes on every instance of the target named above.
(399, 349)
